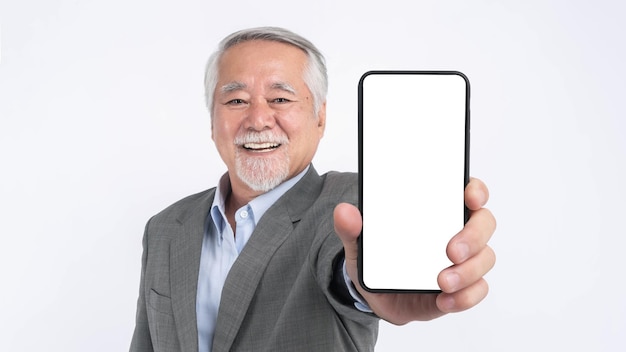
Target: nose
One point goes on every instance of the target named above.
(260, 116)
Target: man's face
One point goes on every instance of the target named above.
(264, 124)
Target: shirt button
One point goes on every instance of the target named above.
(244, 214)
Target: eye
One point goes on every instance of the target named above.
(235, 102)
(280, 101)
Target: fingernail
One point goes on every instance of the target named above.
(453, 279)
(463, 251)
(482, 197)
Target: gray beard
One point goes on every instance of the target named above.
(262, 174)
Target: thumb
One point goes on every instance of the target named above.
(348, 224)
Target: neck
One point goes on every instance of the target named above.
(239, 195)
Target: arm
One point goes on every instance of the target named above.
(141, 341)
(462, 284)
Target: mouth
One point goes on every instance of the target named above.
(261, 147)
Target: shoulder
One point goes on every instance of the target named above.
(181, 209)
(344, 186)
(341, 177)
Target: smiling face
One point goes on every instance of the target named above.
(264, 123)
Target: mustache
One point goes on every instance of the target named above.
(261, 137)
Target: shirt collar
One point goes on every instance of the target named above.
(258, 205)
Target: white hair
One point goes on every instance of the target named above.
(315, 76)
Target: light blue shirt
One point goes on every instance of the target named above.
(220, 249)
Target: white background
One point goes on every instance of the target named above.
(102, 124)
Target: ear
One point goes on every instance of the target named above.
(211, 114)
(321, 119)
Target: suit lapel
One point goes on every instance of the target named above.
(272, 230)
(185, 262)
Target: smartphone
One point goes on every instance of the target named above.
(414, 129)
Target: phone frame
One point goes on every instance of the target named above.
(360, 161)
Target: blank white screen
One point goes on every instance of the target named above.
(413, 169)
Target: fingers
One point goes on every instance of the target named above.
(464, 299)
(476, 194)
(459, 277)
(348, 224)
(463, 284)
(473, 238)
(471, 256)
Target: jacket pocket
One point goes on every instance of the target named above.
(160, 303)
(161, 322)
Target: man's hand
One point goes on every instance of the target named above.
(462, 283)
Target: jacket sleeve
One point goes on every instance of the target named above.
(142, 341)
(361, 328)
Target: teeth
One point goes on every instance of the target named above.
(266, 145)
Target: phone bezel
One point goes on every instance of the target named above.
(360, 161)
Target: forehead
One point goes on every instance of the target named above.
(261, 57)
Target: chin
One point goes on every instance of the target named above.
(262, 174)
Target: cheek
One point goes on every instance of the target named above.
(223, 128)
(221, 137)
(306, 136)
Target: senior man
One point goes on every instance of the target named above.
(267, 260)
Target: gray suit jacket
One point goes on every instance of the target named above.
(281, 293)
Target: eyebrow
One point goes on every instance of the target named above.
(284, 86)
(236, 86)
(232, 87)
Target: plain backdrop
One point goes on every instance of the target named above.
(103, 124)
